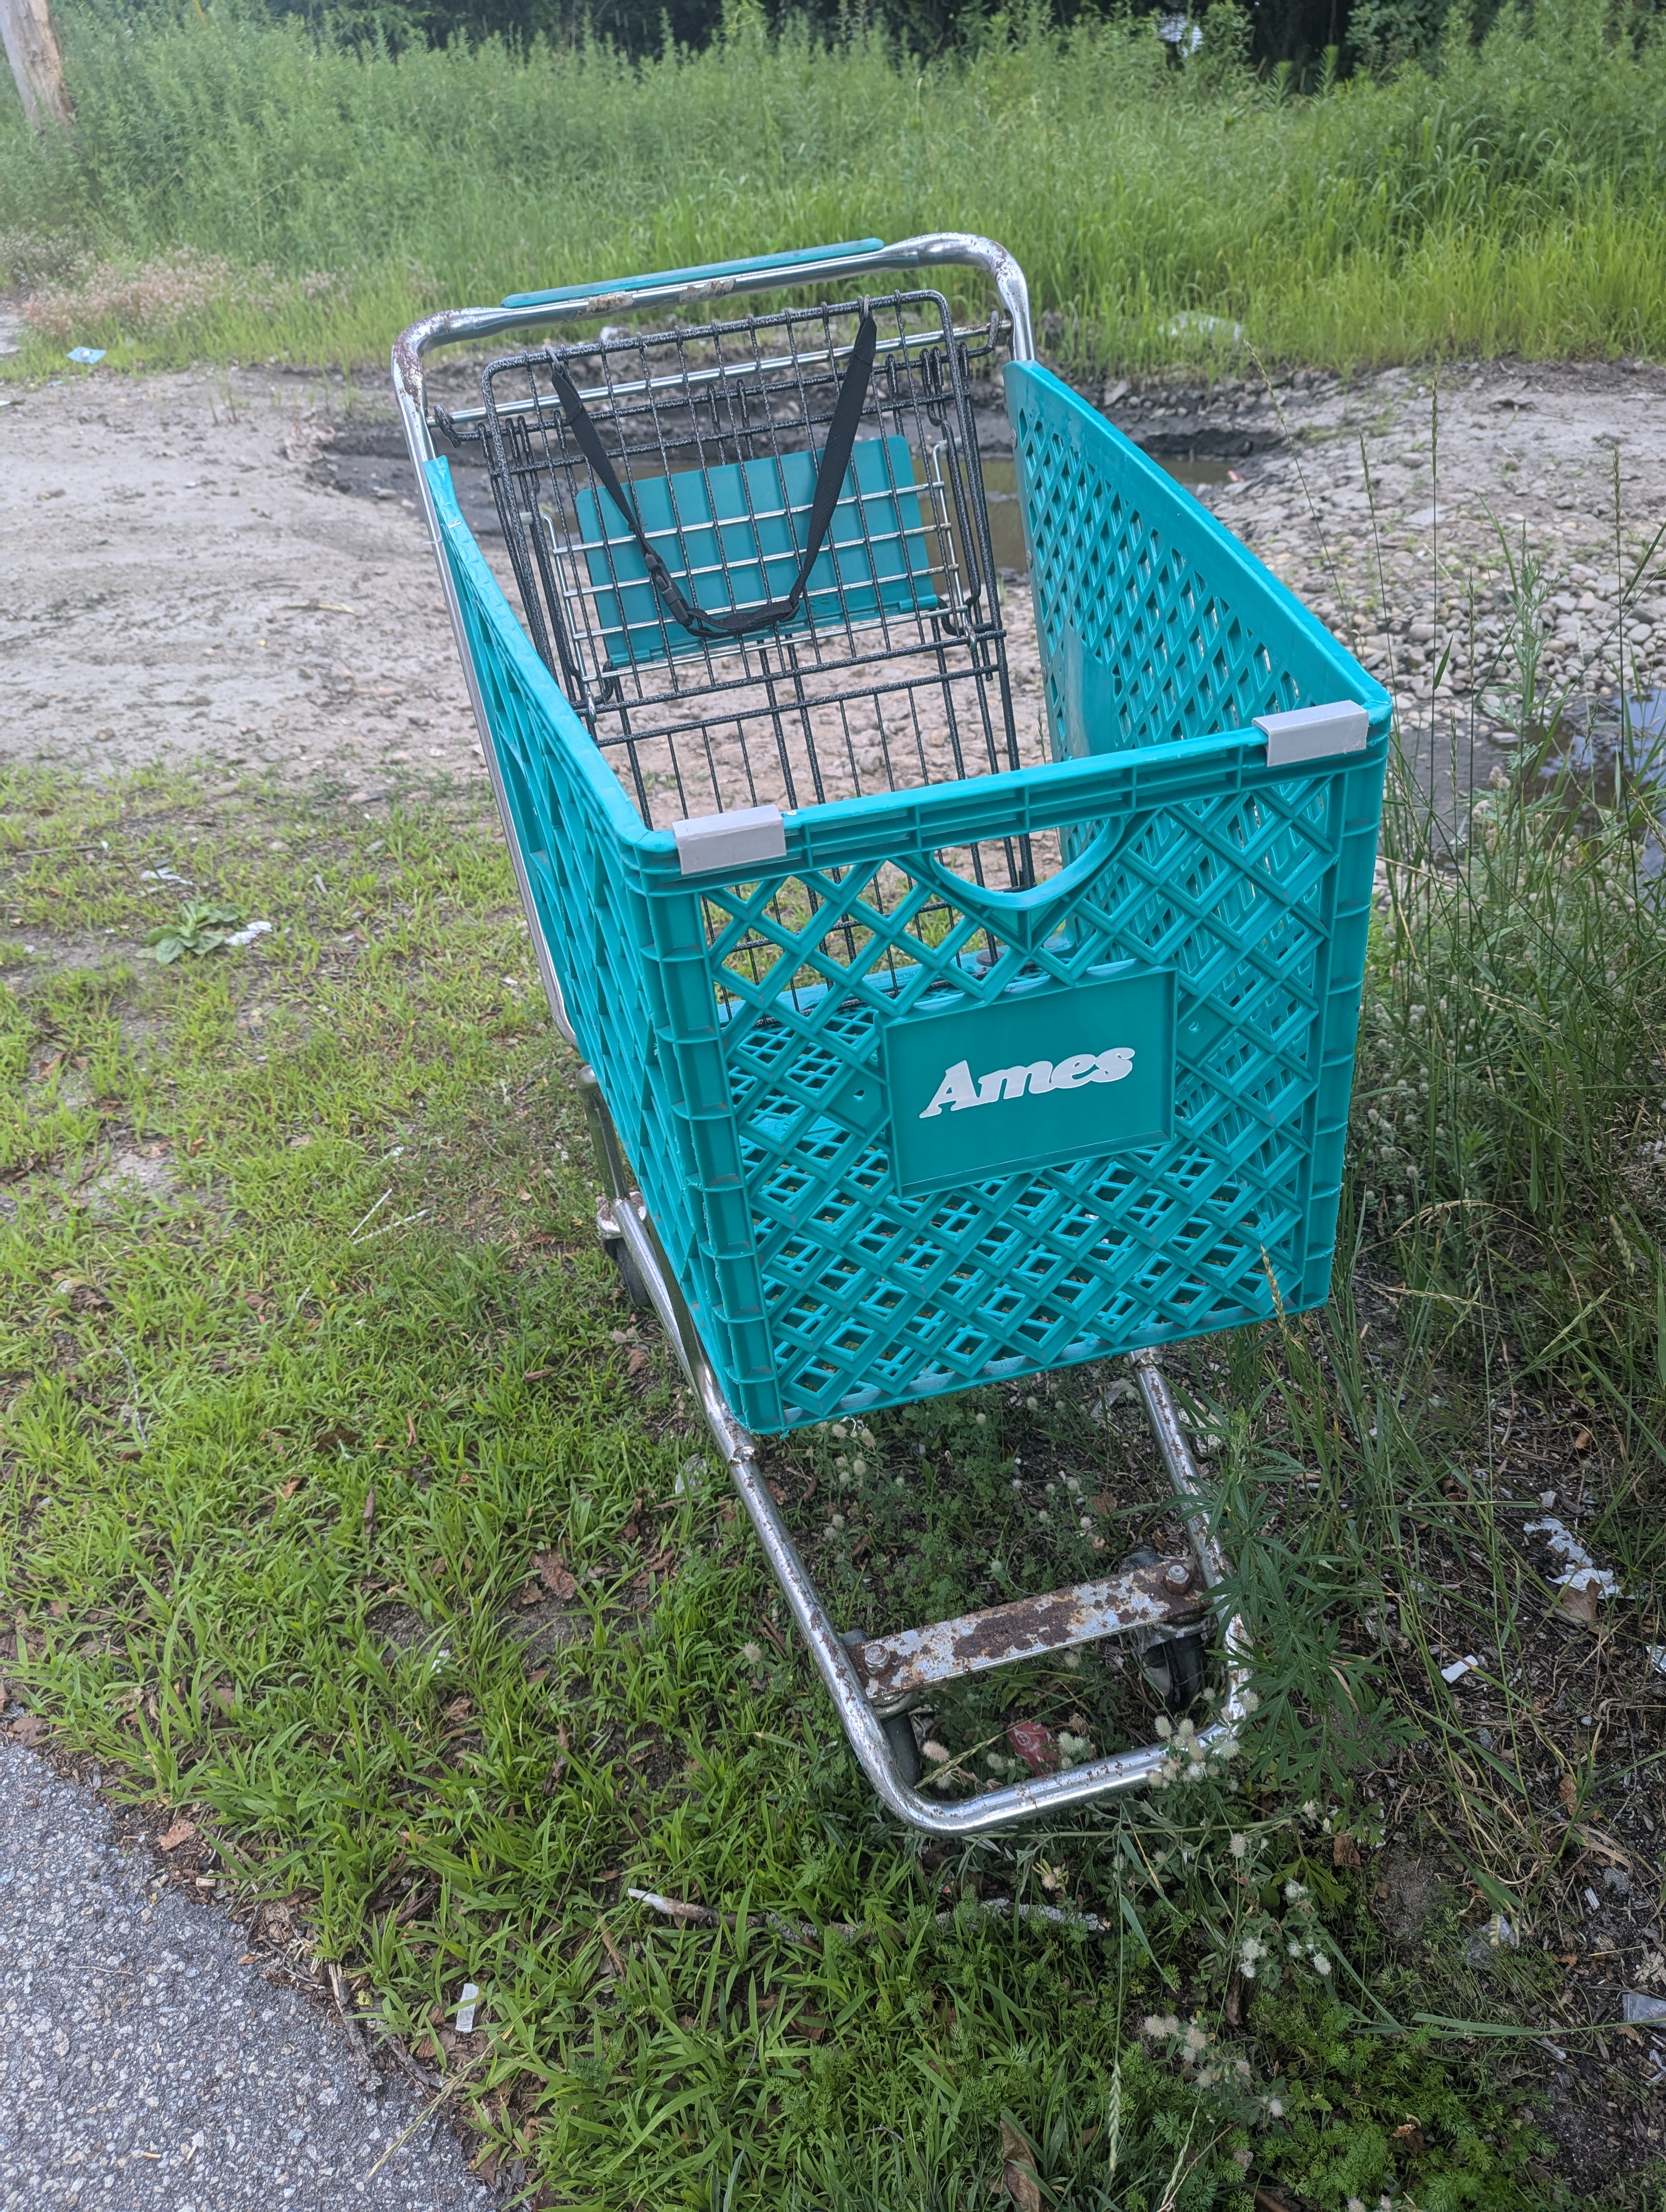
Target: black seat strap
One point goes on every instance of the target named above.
(829, 480)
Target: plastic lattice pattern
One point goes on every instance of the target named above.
(736, 1028)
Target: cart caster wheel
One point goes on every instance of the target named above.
(1174, 1666)
(630, 1275)
(899, 1734)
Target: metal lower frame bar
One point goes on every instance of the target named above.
(883, 1675)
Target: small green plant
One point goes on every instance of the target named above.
(201, 926)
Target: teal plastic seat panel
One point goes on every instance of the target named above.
(732, 538)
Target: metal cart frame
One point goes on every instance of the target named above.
(873, 1681)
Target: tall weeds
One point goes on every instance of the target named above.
(1510, 200)
(1512, 1120)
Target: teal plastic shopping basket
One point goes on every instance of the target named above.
(902, 1131)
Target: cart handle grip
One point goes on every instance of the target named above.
(1035, 907)
(772, 272)
(703, 273)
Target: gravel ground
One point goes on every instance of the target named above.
(227, 567)
(144, 2068)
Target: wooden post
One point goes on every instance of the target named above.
(32, 50)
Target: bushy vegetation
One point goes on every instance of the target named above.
(343, 1501)
(1509, 198)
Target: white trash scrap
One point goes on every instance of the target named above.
(1582, 1571)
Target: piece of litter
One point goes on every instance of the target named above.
(1635, 2006)
(1499, 1934)
(161, 876)
(1459, 1668)
(1035, 1745)
(676, 1908)
(1057, 1915)
(1592, 1898)
(87, 354)
(1121, 1392)
(1582, 1571)
(691, 1478)
(247, 936)
(1214, 327)
(1658, 1657)
(465, 2005)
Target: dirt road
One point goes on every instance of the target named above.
(227, 567)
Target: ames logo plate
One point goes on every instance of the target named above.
(1043, 1075)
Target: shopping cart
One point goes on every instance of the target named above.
(926, 1041)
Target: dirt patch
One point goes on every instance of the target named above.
(190, 592)
(541, 1630)
(1407, 1890)
(35, 956)
(228, 568)
(399, 1628)
(131, 1174)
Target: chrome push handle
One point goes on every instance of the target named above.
(768, 273)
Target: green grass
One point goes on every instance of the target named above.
(235, 189)
(285, 1435)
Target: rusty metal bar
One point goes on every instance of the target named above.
(896, 1668)
(626, 1218)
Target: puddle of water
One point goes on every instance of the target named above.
(1621, 749)
(1605, 737)
(1643, 712)
(1001, 493)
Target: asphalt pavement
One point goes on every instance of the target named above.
(144, 2068)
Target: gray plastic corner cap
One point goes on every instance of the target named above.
(1308, 733)
(738, 839)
